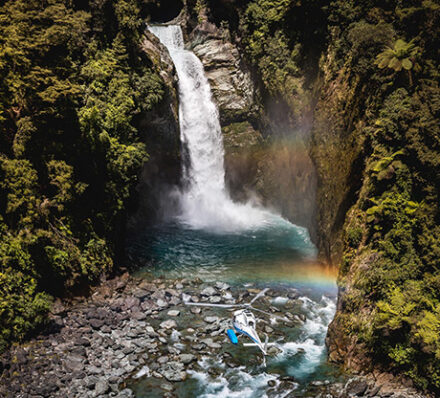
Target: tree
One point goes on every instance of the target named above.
(401, 55)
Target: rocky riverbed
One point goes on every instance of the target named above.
(133, 334)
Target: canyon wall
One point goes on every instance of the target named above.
(375, 154)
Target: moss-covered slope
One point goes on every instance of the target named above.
(74, 87)
(377, 151)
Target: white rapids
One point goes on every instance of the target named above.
(305, 356)
(205, 202)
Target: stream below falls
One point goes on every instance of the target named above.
(278, 255)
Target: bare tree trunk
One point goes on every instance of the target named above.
(410, 78)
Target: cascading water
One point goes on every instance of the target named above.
(205, 202)
(217, 240)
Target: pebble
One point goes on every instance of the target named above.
(120, 333)
(168, 324)
(186, 297)
(187, 358)
(162, 360)
(162, 303)
(208, 291)
(215, 299)
(211, 319)
(167, 386)
(101, 387)
(150, 330)
(210, 343)
(139, 315)
(145, 370)
(222, 286)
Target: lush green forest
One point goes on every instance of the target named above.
(73, 84)
(388, 55)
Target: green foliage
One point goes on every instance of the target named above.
(400, 56)
(381, 54)
(367, 39)
(386, 161)
(61, 177)
(428, 329)
(354, 236)
(19, 185)
(200, 9)
(73, 86)
(396, 311)
(95, 258)
(22, 307)
(268, 46)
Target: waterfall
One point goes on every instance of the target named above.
(205, 202)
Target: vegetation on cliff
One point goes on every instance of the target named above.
(73, 85)
(384, 59)
(283, 39)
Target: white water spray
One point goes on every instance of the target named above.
(205, 202)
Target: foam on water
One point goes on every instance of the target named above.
(320, 315)
(310, 345)
(301, 358)
(280, 300)
(236, 383)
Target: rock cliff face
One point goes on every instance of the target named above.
(335, 149)
(338, 154)
(378, 199)
(230, 82)
(160, 129)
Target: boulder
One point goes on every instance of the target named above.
(356, 387)
(187, 358)
(173, 371)
(101, 387)
(231, 83)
